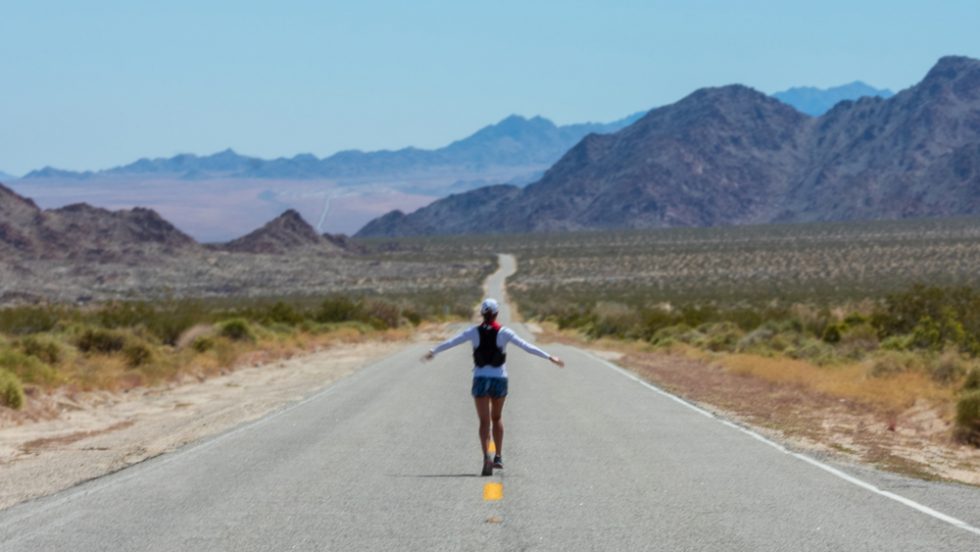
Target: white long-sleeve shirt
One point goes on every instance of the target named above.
(504, 336)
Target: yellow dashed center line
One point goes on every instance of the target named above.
(492, 448)
(493, 491)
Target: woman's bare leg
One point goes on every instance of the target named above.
(496, 412)
(483, 411)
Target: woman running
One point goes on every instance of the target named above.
(489, 340)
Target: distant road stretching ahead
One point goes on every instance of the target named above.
(387, 459)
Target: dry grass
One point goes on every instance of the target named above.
(892, 393)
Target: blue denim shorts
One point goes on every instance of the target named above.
(490, 387)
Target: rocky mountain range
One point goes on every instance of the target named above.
(817, 101)
(732, 155)
(514, 141)
(80, 232)
(218, 197)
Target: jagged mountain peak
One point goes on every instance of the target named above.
(286, 232)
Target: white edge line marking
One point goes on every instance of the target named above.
(812, 461)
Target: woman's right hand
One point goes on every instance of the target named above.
(557, 361)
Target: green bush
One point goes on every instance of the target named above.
(933, 317)
(666, 337)
(236, 329)
(897, 343)
(44, 348)
(968, 417)
(28, 320)
(11, 390)
(338, 309)
(972, 381)
(719, 336)
(27, 368)
(412, 316)
(832, 333)
(814, 350)
(283, 313)
(99, 340)
(165, 320)
(202, 344)
(137, 353)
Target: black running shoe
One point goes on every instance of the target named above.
(498, 464)
(487, 466)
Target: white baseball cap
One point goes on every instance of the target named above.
(489, 306)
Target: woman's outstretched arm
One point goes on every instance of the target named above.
(516, 340)
(462, 337)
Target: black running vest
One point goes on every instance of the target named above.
(487, 353)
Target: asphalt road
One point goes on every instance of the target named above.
(388, 458)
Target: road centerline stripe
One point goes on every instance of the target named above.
(493, 492)
(955, 522)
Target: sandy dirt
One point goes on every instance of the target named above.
(915, 442)
(81, 436)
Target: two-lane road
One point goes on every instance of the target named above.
(388, 458)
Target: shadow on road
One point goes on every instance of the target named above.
(418, 476)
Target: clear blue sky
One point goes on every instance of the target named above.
(93, 84)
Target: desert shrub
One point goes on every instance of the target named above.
(889, 363)
(756, 341)
(100, 340)
(166, 320)
(280, 312)
(666, 337)
(696, 315)
(137, 353)
(11, 390)
(968, 417)
(855, 319)
(615, 320)
(28, 320)
(947, 367)
(236, 329)
(897, 343)
(573, 318)
(972, 381)
(932, 317)
(338, 309)
(412, 316)
(202, 343)
(832, 333)
(814, 350)
(719, 336)
(381, 314)
(808, 318)
(27, 368)
(856, 340)
(653, 320)
(43, 348)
